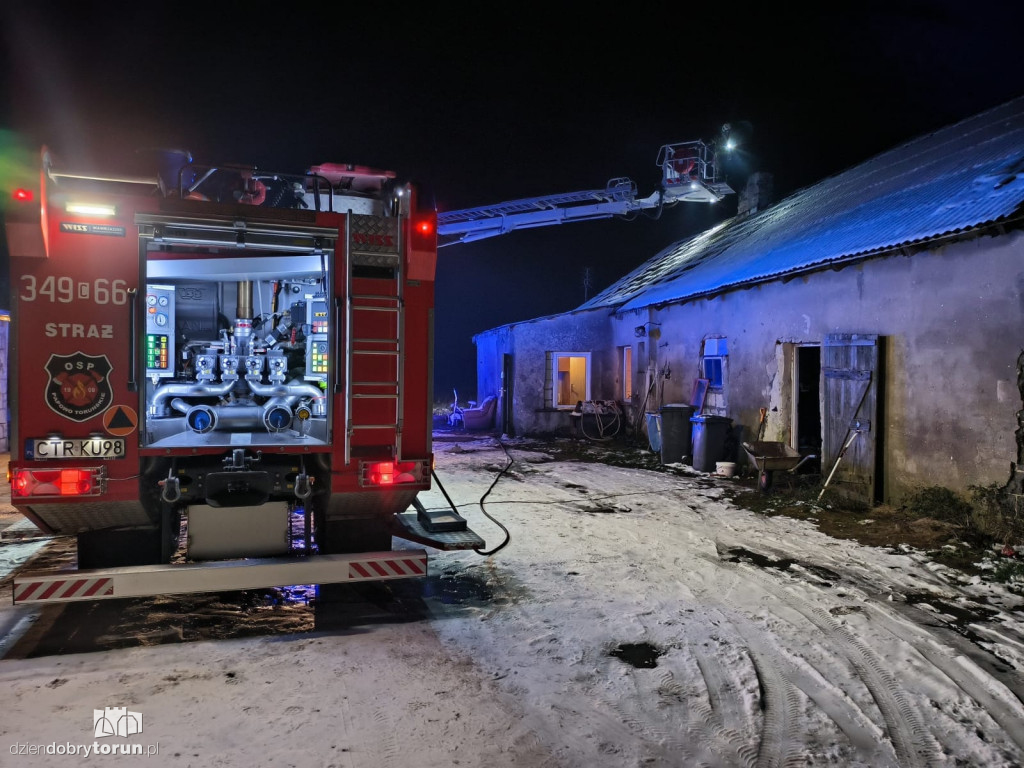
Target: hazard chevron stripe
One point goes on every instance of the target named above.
(72, 588)
(396, 568)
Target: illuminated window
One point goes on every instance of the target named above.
(568, 378)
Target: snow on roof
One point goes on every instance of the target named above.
(954, 179)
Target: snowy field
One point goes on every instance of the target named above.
(635, 618)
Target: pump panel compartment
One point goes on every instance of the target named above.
(237, 347)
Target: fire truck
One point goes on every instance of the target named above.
(242, 361)
(221, 377)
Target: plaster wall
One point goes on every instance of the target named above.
(527, 343)
(952, 319)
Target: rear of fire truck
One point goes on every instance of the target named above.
(221, 376)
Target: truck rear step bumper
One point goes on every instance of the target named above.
(409, 527)
(220, 576)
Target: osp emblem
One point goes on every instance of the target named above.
(79, 385)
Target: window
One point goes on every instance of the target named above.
(569, 378)
(626, 372)
(712, 362)
(714, 368)
(712, 371)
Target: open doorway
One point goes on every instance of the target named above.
(507, 373)
(807, 414)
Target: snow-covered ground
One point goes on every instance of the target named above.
(636, 618)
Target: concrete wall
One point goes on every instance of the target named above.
(952, 319)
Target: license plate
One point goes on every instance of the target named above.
(76, 448)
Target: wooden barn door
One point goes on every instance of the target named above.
(851, 399)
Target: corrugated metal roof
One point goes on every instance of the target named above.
(954, 179)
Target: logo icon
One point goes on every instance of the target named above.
(120, 420)
(79, 386)
(115, 721)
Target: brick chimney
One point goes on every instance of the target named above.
(756, 195)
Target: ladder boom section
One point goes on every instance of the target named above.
(689, 174)
(618, 198)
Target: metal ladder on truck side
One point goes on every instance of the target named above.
(374, 332)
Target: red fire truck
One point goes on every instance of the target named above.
(240, 354)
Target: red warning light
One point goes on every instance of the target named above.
(54, 482)
(391, 472)
(424, 232)
(23, 195)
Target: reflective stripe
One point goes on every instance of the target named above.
(218, 576)
(388, 569)
(71, 588)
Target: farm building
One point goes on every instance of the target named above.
(880, 309)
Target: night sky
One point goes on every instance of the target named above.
(488, 104)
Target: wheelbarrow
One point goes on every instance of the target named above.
(769, 456)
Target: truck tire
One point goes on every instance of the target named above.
(121, 547)
(352, 535)
(116, 548)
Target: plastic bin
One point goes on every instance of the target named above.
(654, 430)
(709, 437)
(676, 433)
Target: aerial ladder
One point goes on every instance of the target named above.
(690, 173)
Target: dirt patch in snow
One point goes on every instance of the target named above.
(796, 496)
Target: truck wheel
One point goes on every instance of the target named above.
(358, 535)
(119, 547)
(131, 546)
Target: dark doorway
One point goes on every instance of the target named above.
(506, 396)
(808, 400)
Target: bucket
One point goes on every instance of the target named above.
(725, 468)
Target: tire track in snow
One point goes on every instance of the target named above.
(785, 672)
(961, 661)
(718, 727)
(723, 718)
(715, 731)
(780, 732)
(349, 735)
(782, 682)
(912, 742)
(385, 736)
(990, 694)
